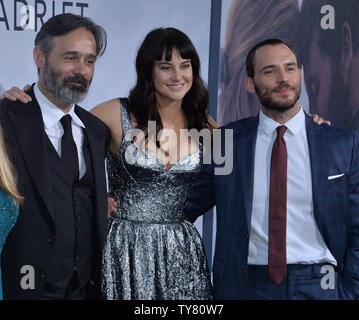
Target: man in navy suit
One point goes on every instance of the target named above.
(288, 213)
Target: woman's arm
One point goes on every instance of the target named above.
(110, 113)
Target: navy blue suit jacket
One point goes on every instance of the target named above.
(333, 151)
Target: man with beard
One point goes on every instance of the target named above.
(55, 249)
(288, 214)
(330, 60)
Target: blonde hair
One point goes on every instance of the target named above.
(7, 174)
(250, 22)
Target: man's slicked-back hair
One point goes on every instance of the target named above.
(63, 24)
(268, 42)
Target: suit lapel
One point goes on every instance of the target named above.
(97, 149)
(95, 143)
(29, 131)
(245, 153)
(318, 151)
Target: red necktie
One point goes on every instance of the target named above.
(277, 255)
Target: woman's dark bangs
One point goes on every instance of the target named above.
(184, 48)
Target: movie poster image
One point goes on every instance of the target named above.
(325, 36)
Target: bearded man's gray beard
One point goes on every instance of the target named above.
(61, 90)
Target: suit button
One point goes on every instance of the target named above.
(77, 258)
(244, 270)
(43, 274)
(76, 203)
(247, 236)
(51, 238)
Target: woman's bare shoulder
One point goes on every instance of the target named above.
(107, 109)
(110, 113)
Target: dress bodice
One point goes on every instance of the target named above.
(144, 188)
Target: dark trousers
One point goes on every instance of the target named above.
(303, 282)
(73, 291)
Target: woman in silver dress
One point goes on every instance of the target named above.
(151, 251)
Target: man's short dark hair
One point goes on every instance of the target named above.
(252, 52)
(63, 24)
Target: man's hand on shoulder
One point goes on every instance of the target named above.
(318, 120)
(17, 94)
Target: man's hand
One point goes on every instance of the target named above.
(17, 94)
(111, 204)
(318, 120)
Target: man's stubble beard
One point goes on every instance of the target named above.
(267, 101)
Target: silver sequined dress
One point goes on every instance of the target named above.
(151, 252)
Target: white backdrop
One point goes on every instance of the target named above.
(126, 22)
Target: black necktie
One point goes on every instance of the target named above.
(69, 150)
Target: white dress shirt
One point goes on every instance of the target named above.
(51, 116)
(304, 241)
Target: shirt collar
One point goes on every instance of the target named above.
(51, 114)
(268, 125)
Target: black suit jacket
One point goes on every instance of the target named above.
(30, 242)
